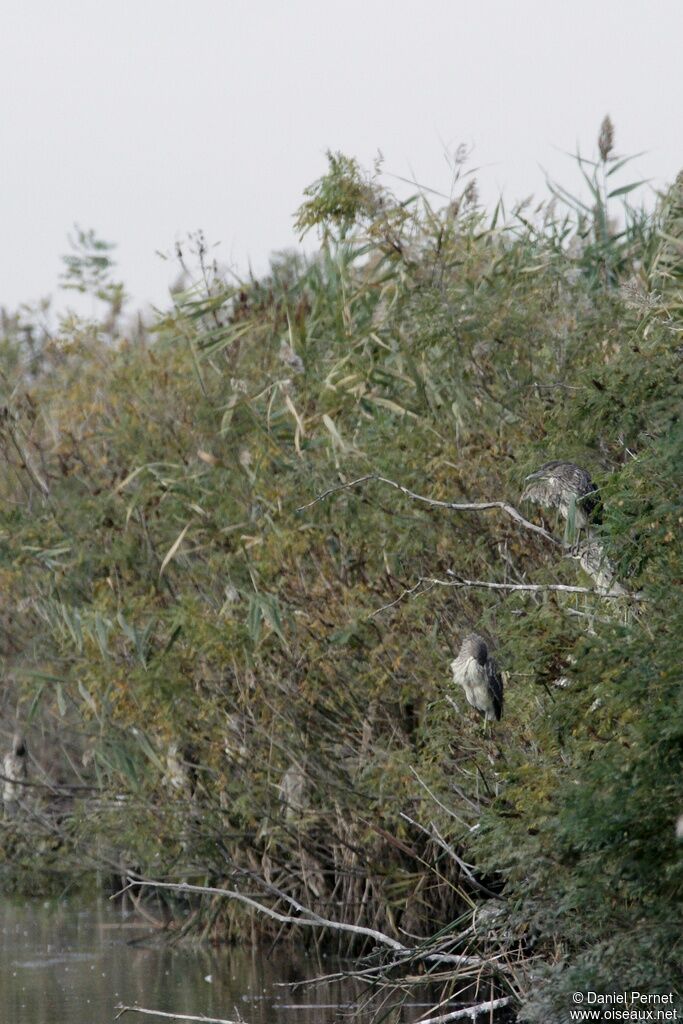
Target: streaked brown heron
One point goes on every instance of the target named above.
(476, 670)
(569, 488)
(15, 771)
(566, 487)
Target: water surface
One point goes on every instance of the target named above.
(62, 963)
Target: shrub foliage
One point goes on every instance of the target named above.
(256, 688)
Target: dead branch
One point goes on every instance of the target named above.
(427, 583)
(27, 461)
(170, 1016)
(370, 974)
(309, 919)
(469, 1011)
(58, 789)
(459, 581)
(433, 833)
(453, 506)
(432, 795)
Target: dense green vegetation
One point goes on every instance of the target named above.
(261, 690)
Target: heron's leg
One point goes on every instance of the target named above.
(580, 538)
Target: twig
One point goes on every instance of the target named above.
(170, 1016)
(453, 506)
(432, 795)
(436, 837)
(461, 583)
(468, 1011)
(402, 596)
(28, 463)
(59, 789)
(368, 974)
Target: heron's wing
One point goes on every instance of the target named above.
(575, 478)
(577, 482)
(556, 484)
(494, 679)
(546, 491)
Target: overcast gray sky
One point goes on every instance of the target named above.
(146, 119)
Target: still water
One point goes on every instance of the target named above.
(62, 963)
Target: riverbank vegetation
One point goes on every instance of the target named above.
(226, 682)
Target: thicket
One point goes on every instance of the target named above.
(257, 691)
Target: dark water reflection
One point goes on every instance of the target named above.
(61, 963)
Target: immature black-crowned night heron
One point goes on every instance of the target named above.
(15, 771)
(181, 769)
(477, 672)
(569, 488)
(564, 486)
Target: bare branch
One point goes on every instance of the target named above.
(170, 1016)
(432, 795)
(309, 919)
(459, 581)
(58, 789)
(28, 462)
(468, 1011)
(427, 583)
(436, 837)
(416, 589)
(453, 506)
(376, 973)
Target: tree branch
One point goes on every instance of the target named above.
(427, 583)
(468, 1011)
(453, 506)
(58, 789)
(435, 836)
(310, 919)
(170, 1016)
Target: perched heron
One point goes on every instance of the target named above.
(294, 792)
(477, 672)
(181, 769)
(563, 485)
(15, 771)
(569, 488)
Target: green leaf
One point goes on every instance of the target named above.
(61, 703)
(627, 188)
(102, 629)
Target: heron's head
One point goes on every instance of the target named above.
(548, 469)
(474, 646)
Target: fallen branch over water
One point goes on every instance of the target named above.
(171, 1016)
(310, 919)
(469, 1011)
